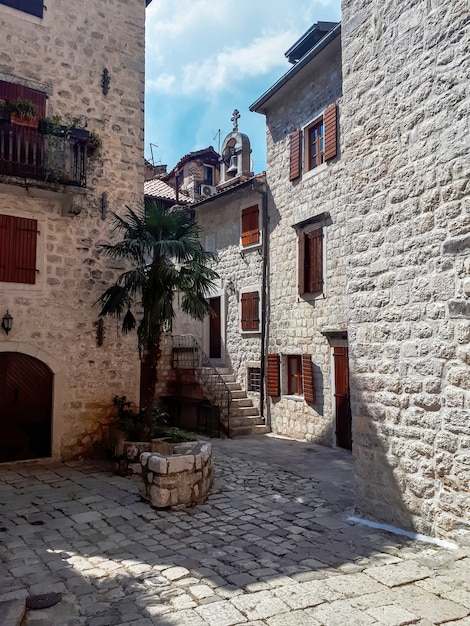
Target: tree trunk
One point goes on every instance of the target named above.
(150, 361)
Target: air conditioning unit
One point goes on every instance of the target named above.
(207, 190)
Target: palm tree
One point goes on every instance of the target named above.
(162, 247)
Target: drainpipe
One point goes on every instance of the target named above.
(263, 193)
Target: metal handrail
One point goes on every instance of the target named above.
(188, 354)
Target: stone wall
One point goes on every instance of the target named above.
(405, 138)
(64, 54)
(181, 478)
(220, 221)
(295, 323)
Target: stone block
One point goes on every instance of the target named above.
(158, 464)
(179, 463)
(159, 497)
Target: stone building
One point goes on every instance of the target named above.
(230, 212)
(307, 362)
(405, 143)
(369, 273)
(82, 65)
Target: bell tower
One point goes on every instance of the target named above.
(235, 161)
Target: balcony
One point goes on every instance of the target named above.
(56, 158)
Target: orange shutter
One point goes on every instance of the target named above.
(273, 375)
(295, 153)
(329, 120)
(18, 240)
(307, 374)
(250, 225)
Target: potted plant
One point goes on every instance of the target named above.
(23, 113)
(128, 441)
(53, 126)
(77, 128)
(94, 144)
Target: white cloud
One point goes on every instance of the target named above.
(231, 65)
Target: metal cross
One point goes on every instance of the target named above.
(235, 117)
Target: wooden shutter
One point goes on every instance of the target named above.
(307, 373)
(273, 375)
(250, 310)
(329, 120)
(250, 225)
(10, 91)
(18, 241)
(34, 7)
(295, 153)
(301, 269)
(314, 261)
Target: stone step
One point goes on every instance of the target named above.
(241, 401)
(238, 394)
(243, 411)
(240, 431)
(255, 420)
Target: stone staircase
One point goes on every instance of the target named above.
(237, 413)
(244, 417)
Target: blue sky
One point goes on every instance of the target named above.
(206, 58)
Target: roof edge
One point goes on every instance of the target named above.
(311, 54)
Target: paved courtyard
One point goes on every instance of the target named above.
(271, 547)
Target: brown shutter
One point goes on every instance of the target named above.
(10, 91)
(329, 120)
(250, 310)
(315, 261)
(273, 375)
(250, 225)
(307, 374)
(295, 153)
(18, 241)
(301, 269)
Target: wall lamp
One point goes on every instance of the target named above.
(7, 322)
(230, 287)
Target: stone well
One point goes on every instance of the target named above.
(182, 477)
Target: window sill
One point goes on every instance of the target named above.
(314, 172)
(245, 249)
(292, 397)
(250, 332)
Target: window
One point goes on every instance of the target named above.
(297, 376)
(319, 142)
(250, 226)
(34, 7)
(250, 311)
(254, 379)
(311, 261)
(315, 145)
(208, 175)
(294, 375)
(18, 242)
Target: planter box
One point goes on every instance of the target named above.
(177, 480)
(26, 122)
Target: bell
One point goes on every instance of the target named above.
(233, 169)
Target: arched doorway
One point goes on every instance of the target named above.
(25, 407)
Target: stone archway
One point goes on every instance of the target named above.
(26, 407)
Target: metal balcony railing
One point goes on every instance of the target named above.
(188, 354)
(54, 158)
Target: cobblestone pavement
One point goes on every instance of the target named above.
(270, 547)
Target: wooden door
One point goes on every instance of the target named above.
(215, 337)
(25, 407)
(342, 401)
